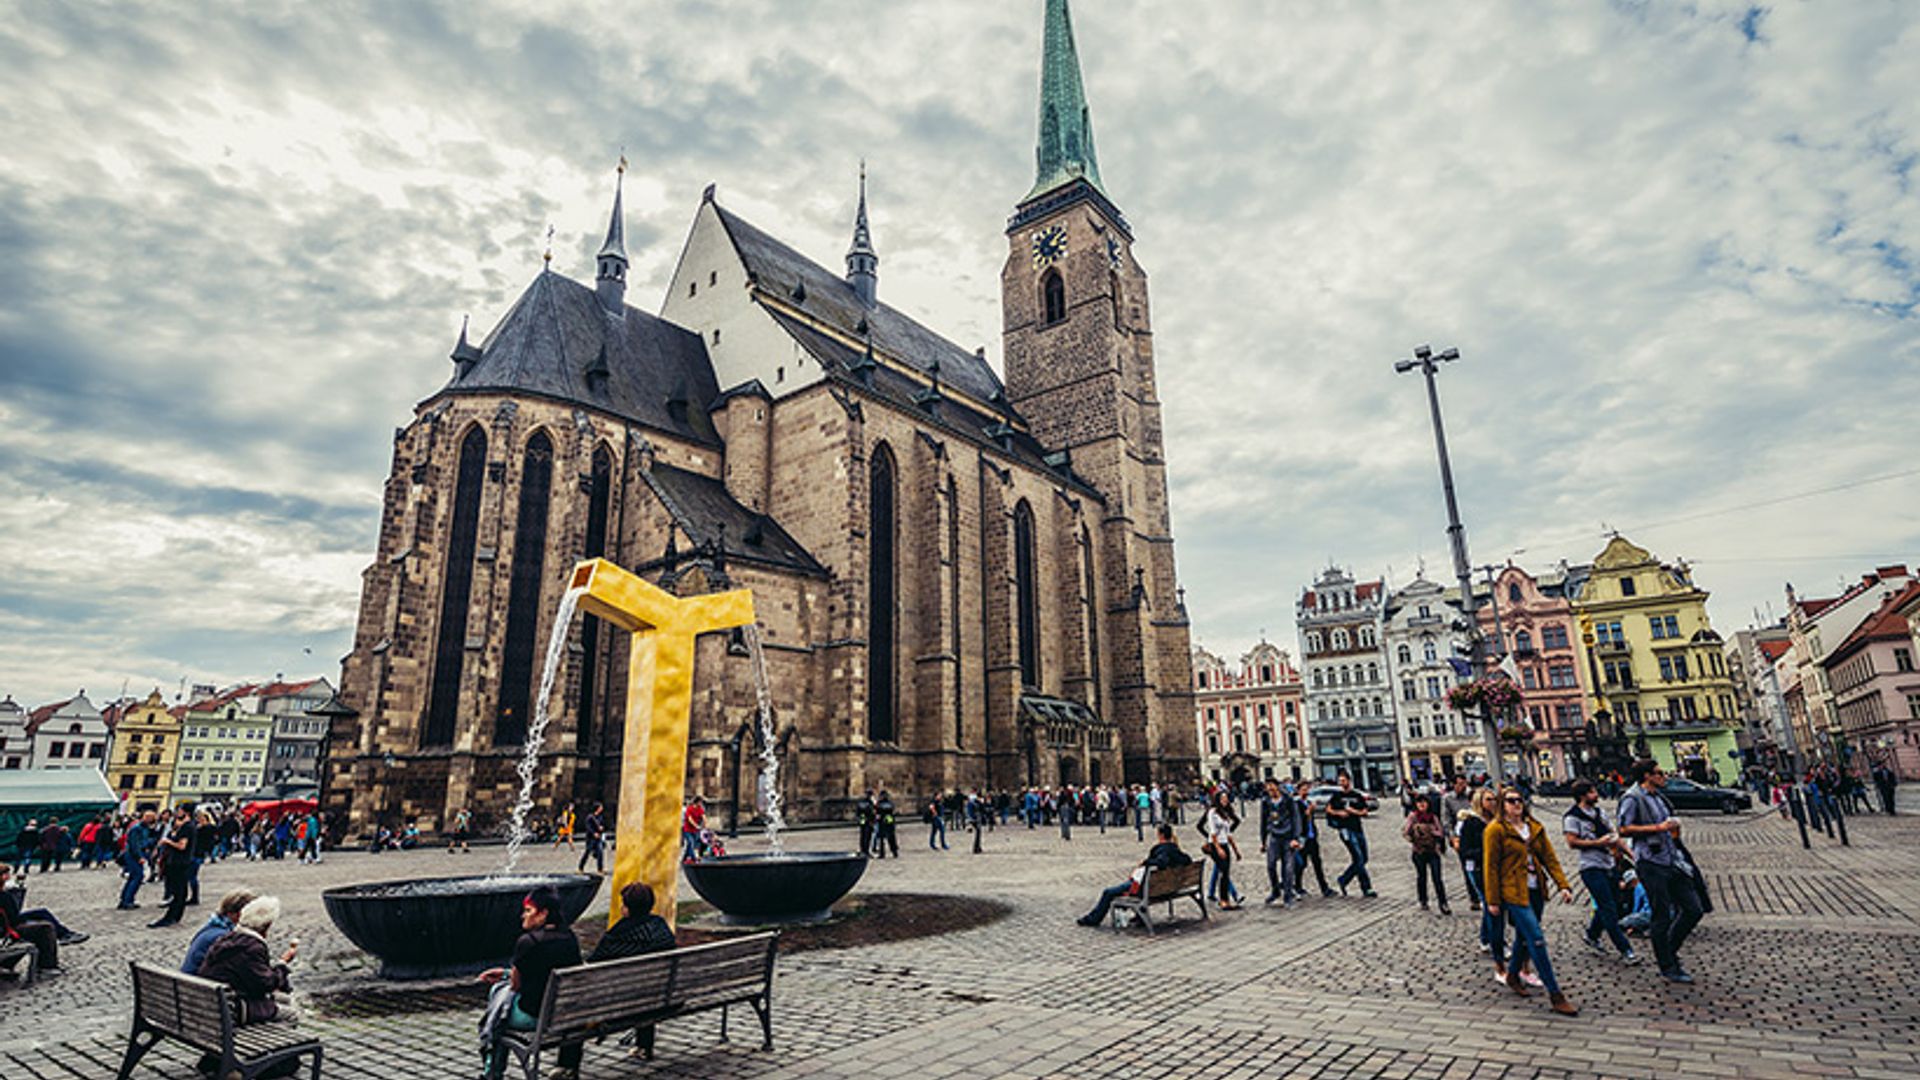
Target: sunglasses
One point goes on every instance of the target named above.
(1514, 799)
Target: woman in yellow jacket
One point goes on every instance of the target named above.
(1517, 856)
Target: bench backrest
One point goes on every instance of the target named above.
(1172, 881)
(584, 997)
(194, 1010)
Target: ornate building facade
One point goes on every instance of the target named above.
(146, 740)
(961, 580)
(1252, 725)
(1345, 680)
(1422, 631)
(1531, 621)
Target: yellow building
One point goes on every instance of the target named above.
(144, 745)
(1656, 664)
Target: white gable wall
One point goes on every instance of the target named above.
(710, 293)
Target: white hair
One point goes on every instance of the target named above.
(260, 914)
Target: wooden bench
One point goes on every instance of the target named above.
(1161, 886)
(25, 954)
(202, 1013)
(593, 1001)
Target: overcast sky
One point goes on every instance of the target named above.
(1675, 244)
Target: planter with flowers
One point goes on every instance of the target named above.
(1491, 694)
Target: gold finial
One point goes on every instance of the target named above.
(547, 257)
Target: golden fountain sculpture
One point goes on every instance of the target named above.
(659, 698)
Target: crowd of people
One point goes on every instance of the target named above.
(1636, 871)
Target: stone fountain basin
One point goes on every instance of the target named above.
(433, 927)
(756, 890)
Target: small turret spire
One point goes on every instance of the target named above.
(610, 282)
(863, 263)
(1065, 150)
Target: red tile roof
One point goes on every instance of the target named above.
(1886, 623)
(1774, 650)
(224, 697)
(284, 689)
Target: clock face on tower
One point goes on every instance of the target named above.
(1049, 245)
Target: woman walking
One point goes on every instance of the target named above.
(1219, 825)
(1428, 839)
(1473, 827)
(1518, 857)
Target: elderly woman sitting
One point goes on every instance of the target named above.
(240, 960)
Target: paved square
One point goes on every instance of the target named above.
(1807, 967)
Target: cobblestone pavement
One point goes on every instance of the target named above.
(1806, 968)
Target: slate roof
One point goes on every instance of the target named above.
(557, 341)
(778, 268)
(701, 507)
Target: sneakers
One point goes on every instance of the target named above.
(1486, 948)
(75, 938)
(1531, 979)
(1594, 944)
(1630, 958)
(1445, 910)
(1368, 893)
(1676, 974)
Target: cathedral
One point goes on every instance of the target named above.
(961, 580)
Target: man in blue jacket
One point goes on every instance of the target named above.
(133, 859)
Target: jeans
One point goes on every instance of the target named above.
(136, 874)
(1473, 883)
(519, 1020)
(1310, 853)
(1493, 930)
(1427, 864)
(193, 882)
(1220, 881)
(1356, 842)
(1528, 939)
(1676, 910)
(1107, 897)
(1285, 883)
(1606, 908)
(596, 849)
(60, 929)
(937, 835)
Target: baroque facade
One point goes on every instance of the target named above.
(1344, 674)
(1251, 722)
(1531, 621)
(961, 580)
(146, 741)
(1422, 632)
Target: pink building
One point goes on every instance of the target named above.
(1876, 689)
(1251, 722)
(1536, 629)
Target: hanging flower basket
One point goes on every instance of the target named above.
(1517, 733)
(1492, 693)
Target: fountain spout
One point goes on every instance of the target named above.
(659, 699)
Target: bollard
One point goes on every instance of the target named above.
(1799, 815)
(1840, 819)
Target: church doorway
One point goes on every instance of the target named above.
(1069, 771)
(1093, 772)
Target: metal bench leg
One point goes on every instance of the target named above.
(764, 1006)
(723, 1023)
(316, 1063)
(136, 1049)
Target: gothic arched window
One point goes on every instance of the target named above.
(598, 495)
(881, 622)
(1053, 297)
(1026, 594)
(456, 590)
(523, 595)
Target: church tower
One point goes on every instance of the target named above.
(1079, 368)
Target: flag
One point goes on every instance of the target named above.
(1461, 669)
(1510, 669)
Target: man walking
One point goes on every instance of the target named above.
(1347, 811)
(885, 839)
(1281, 829)
(596, 837)
(133, 859)
(176, 866)
(1459, 801)
(1589, 835)
(1646, 820)
(1884, 779)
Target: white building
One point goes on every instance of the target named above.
(1347, 699)
(16, 749)
(294, 754)
(68, 734)
(1421, 629)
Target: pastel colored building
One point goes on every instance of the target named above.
(68, 734)
(295, 751)
(1662, 667)
(1347, 700)
(1876, 688)
(1421, 632)
(1530, 620)
(16, 749)
(146, 743)
(1816, 625)
(1252, 725)
(223, 747)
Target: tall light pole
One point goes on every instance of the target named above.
(1427, 362)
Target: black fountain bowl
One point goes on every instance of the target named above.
(753, 890)
(433, 927)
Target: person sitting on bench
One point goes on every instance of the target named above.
(546, 944)
(638, 933)
(1164, 855)
(14, 899)
(39, 933)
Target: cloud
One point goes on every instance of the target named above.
(1675, 244)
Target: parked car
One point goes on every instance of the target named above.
(1684, 794)
(1324, 794)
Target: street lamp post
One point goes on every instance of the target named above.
(1427, 362)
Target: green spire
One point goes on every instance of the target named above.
(1065, 150)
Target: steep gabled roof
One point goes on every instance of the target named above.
(1885, 624)
(778, 269)
(702, 509)
(1773, 650)
(558, 342)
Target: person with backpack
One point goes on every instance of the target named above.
(885, 838)
(1428, 838)
(1598, 846)
(1647, 820)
